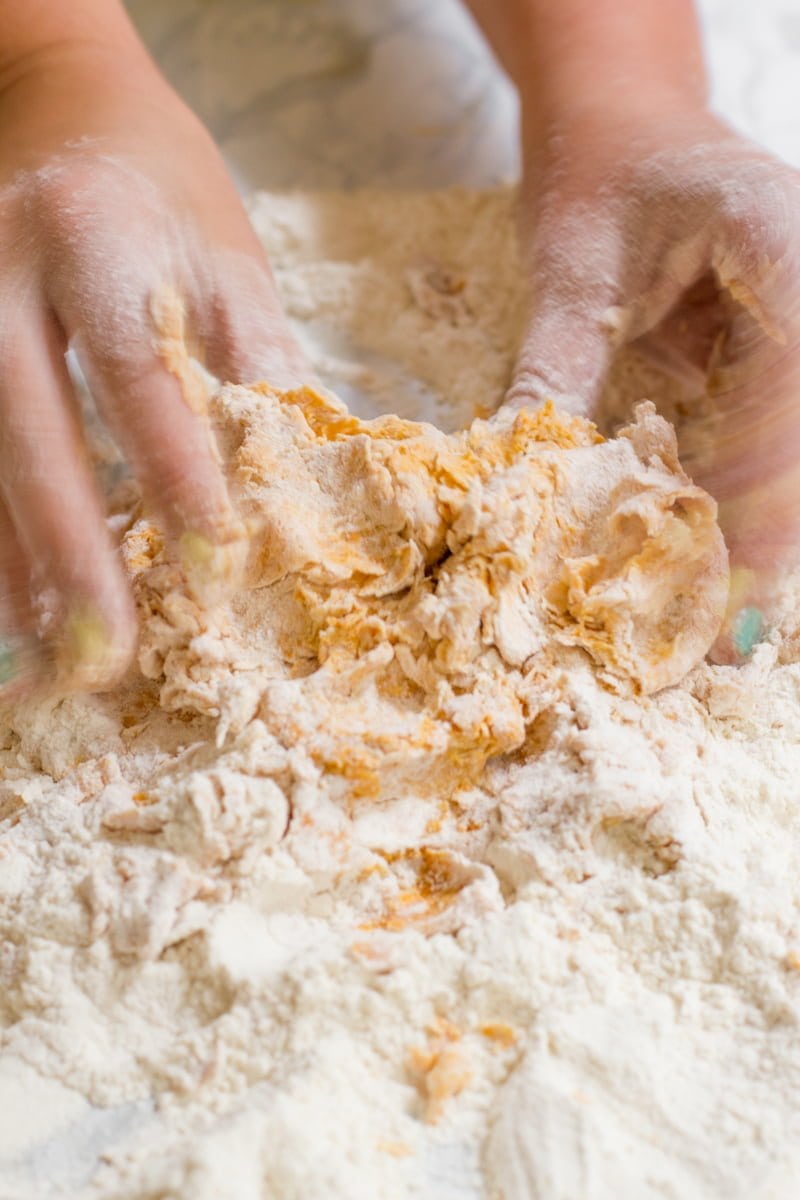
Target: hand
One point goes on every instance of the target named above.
(113, 199)
(666, 226)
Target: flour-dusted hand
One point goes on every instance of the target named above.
(645, 217)
(117, 219)
(674, 229)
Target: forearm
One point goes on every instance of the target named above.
(565, 56)
(52, 27)
(70, 65)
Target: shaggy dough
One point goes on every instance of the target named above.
(411, 594)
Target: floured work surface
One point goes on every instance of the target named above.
(434, 863)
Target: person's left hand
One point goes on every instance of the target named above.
(670, 227)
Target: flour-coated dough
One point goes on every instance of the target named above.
(411, 595)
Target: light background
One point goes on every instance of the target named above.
(403, 93)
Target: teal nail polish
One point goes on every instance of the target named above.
(19, 656)
(9, 662)
(748, 630)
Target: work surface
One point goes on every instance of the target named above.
(403, 93)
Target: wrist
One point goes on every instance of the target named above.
(601, 88)
(95, 35)
(576, 58)
(61, 86)
(582, 118)
(573, 99)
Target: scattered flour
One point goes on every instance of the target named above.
(405, 874)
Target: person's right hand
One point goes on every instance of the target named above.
(112, 196)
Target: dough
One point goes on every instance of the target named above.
(411, 595)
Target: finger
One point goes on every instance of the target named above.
(665, 285)
(683, 342)
(756, 477)
(753, 610)
(47, 486)
(756, 260)
(750, 456)
(748, 431)
(155, 401)
(118, 289)
(23, 658)
(576, 265)
(756, 235)
(244, 329)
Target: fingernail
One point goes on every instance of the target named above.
(84, 653)
(742, 582)
(213, 569)
(747, 630)
(20, 658)
(88, 636)
(197, 552)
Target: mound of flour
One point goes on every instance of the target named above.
(437, 862)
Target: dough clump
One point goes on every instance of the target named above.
(411, 594)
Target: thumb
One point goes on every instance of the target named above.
(575, 265)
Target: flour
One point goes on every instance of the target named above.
(404, 874)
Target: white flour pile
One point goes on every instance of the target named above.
(423, 868)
